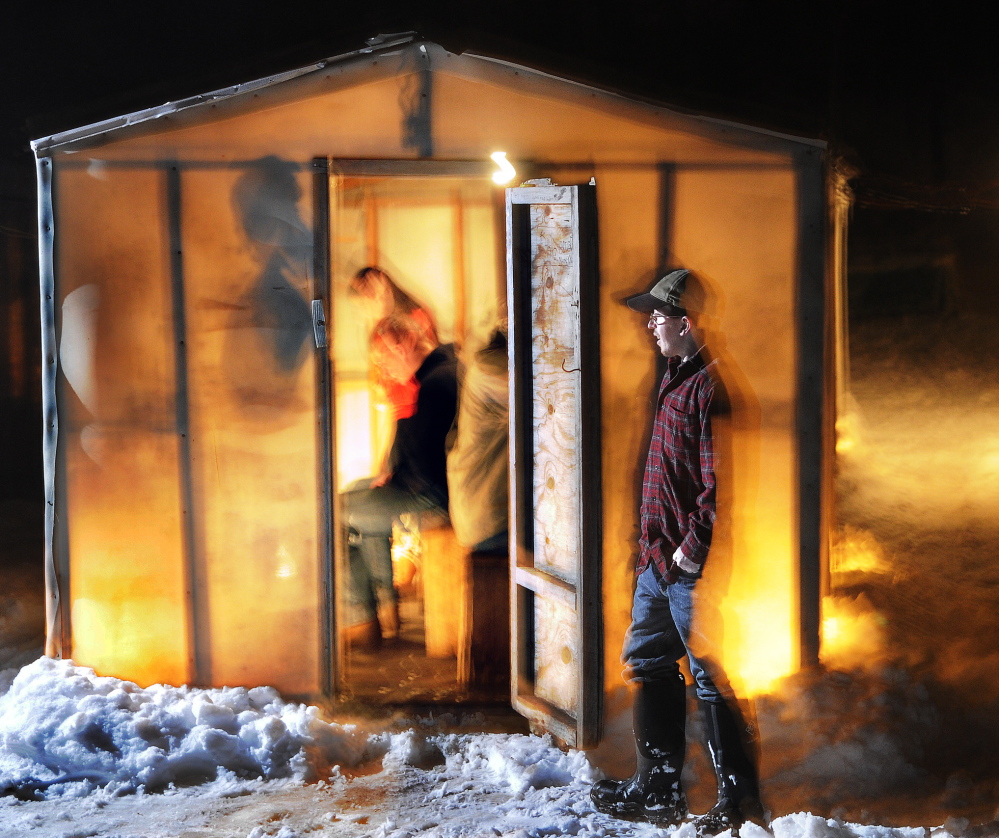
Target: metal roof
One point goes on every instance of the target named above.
(384, 44)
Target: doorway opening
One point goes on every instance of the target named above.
(443, 636)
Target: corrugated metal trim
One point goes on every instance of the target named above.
(380, 45)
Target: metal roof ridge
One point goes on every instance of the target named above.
(377, 44)
(655, 103)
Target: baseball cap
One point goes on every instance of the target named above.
(666, 294)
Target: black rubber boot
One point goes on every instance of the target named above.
(738, 785)
(653, 793)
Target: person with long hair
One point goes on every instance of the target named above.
(381, 296)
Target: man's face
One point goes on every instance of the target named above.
(667, 331)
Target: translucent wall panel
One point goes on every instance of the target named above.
(489, 107)
(295, 122)
(247, 265)
(628, 215)
(190, 441)
(127, 598)
(738, 230)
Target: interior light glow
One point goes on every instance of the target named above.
(505, 173)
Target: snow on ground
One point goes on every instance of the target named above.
(83, 755)
(897, 739)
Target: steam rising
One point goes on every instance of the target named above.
(912, 611)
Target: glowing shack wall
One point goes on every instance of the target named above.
(740, 230)
(719, 199)
(127, 592)
(189, 423)
(247, 241)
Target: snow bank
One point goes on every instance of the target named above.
(503, 784)
(515, 762)
(66, 731)
(807, 825)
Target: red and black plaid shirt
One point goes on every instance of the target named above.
(678, 491)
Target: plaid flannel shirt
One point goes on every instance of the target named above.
(678, 490)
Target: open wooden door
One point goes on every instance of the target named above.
(555, 527)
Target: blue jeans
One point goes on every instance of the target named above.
(370, 512)
(662, 617)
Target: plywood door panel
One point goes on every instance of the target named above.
(555, 652)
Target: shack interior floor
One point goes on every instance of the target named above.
(399, 672)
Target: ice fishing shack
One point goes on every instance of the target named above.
(209, 392)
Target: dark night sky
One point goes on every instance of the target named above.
(908, 92)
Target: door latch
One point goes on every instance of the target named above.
(319, 323)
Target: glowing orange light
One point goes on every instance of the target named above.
(852, 632)
(847, 432)
(856, 551)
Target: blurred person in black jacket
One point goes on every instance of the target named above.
(415, 478)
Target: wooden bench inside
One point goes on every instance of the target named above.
(466, 605)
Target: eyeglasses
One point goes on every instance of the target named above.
(658, 319)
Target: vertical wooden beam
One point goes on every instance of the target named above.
(58, 636)
(590, 600)
(371, 204)
(325, 422)
(813, 408)
(518, 254)
(198, 626)
(370, 229)
(458, 265)
(840, 200)
(667, 209)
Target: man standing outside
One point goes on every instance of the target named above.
(677, 520)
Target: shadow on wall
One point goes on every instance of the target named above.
(272, 323)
